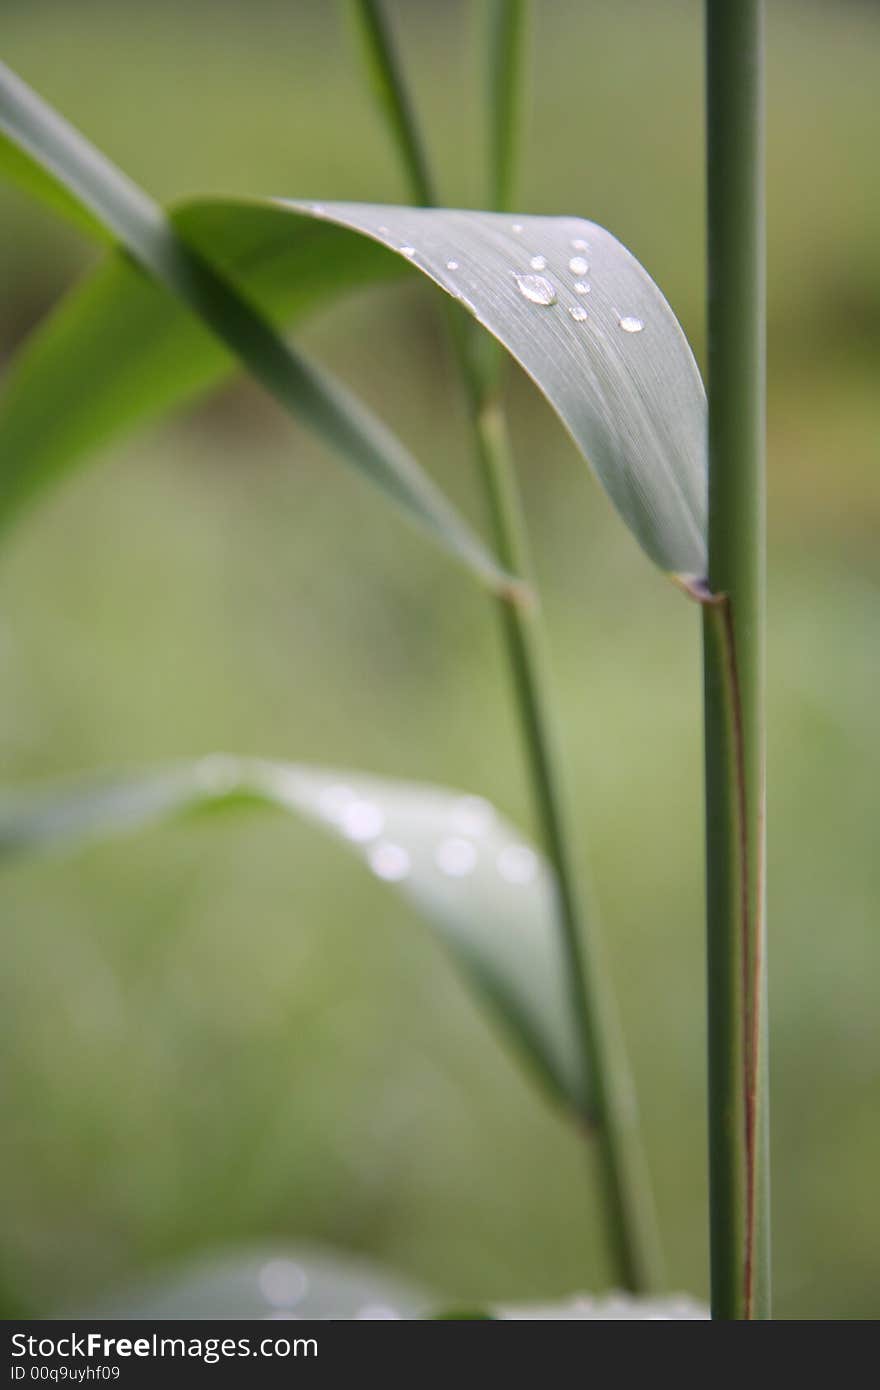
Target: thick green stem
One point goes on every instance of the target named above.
(734, 666)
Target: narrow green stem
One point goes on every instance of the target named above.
(393, 96)
(734, 666)
(612, 1119)
(507, 37)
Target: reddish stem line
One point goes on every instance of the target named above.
(750, 952)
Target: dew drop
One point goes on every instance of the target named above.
(629, 324)
(361, 821)
(282, 1283)
(456, 857)
(578, 313)
(452, 265)
(582, 287)
(538, 263)
(389, 862)
(517, 227)
(578, 245)
(384, 231)
(578, 266)
(407, 250)
(518, 864)
(472, 815)
(536, 289)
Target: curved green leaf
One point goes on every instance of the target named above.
(622, 378)
(632, 401)
(51, 158)
(485, 892)
(278, 1282)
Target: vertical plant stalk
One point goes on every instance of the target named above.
(392, 95)
(611, 1118)
(507, 38)
(734, 665)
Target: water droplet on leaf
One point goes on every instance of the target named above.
(361, 821)
(538, 263)
(630, 324)
(472, 815)
(581, 287)
(452, 265)
(578, 314)
(536, 289)
(578, 266)
(389, 862)
(282, 1283)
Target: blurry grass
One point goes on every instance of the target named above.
(226, 1032)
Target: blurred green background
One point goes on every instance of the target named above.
(223, 1033)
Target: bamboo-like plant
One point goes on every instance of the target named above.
(184, 297)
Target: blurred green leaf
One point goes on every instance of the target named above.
(318, 1285)
(486, 893)
(52, 159)
(265, 1284)
(614, 1307)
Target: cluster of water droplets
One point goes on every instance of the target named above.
(457, 854)
(540, 289)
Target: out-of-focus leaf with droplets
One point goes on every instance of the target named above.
(317, 1285)
(487, 894)
(264, 1284)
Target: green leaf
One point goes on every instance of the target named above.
(614, 1307)
(317, 1285)
(51, 158)
(262, 1284)
(632, 401)
(486, 893)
